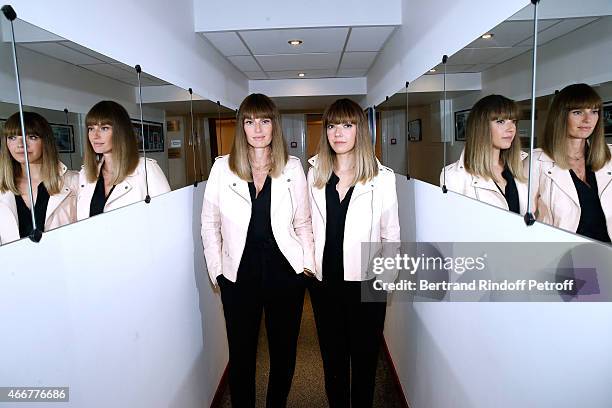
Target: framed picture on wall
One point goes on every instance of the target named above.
(64, 137)
(414, 130)
(154, 135)
(460, 124)
(607, 120)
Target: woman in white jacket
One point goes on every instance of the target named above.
(572, 172)
(54, 187)
(258, 243)
(490, 168)
(113, 175)
(354, 207)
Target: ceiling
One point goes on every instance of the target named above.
(201, 106)
(510, 39)
(328, 52)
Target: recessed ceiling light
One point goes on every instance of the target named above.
(295, 42)
(433, 70)
(487, 36)
(301, 75)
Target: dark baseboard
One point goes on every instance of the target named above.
(216, 402)
(396, 379)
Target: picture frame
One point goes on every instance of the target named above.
(64, 137)
(461, 124)
(607, 121)
(154, 135)
(414, 130)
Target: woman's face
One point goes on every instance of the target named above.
(101, 138)
(342, 136)
(258, 131)
(35, 148)
(581, 122)
(503, 132)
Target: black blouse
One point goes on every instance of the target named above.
(40, 212)
(510, 193)
(99, 199)
(592, 222)
(333, 262)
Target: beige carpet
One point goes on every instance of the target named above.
(308, 390)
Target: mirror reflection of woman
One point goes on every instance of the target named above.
(354, 203)
(490, 168)
(572, 171)
(113, 175)
(258, 244)
(54, 187)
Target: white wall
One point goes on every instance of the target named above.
(249, 15)
(309, 87)
(493, 354)
(429, 30)
(123, 316)
(157, 35)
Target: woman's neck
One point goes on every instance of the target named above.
(344, 162)
(576, 148)
(107, 165)
(259, 156)
(495, 158)
(35, 172)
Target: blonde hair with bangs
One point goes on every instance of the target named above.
(554, 142)
(479, 144)
(125, 149)
(346, 111)
(10, 169)
(257, 106)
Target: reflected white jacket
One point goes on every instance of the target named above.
(372, 217)
(554, 195)
(479, 188)
(226, 213)
(61, 208)
(131, 190)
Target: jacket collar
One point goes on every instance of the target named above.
(604, 177)
(125, 186)
(481, 182)
(56, 199)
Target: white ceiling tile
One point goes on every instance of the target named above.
(452, 68)
(87, 51)
(310, 74)
(368, 38)
(245, 63)
(352, 73)
(298, 62)
(479, 67)
(508, 54)
(564, 27)
(256, 75)
(355, 60)
(268, 42)
(60, 52)
(228, 43)
(510, 33)
(471, 56)
(113, 71)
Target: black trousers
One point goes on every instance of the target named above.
(350, 334)
(266, 282)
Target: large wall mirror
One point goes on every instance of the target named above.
(438, 113)
(90, 121)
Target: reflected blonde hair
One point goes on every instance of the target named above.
(366, 168)
(554, 142)
(10, 169)
(257, 106)
(125, 150)
(479, 144)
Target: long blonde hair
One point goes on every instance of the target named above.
(366, 168)
(252, 107)
(10, 169)
(554, 142)
(125, 150)
(479, 144)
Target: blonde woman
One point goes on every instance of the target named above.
(258, 243)
(54, 187)
(490, 168)
(113, 175)
(354, 202)
(572, 172)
